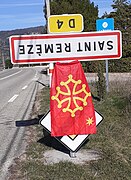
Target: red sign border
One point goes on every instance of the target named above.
(53, 36)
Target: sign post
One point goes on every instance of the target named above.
(105, 25)
(51, 65)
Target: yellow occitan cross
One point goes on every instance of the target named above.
(69, 93)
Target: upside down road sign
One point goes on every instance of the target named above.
(48, 48)
(65, 23)
(73, 142)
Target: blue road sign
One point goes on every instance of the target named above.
(105, 24)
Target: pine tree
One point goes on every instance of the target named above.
(122, 19)
(84, 7)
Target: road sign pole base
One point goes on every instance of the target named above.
(72, 154)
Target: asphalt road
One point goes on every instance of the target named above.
(18, 87)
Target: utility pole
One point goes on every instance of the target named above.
(47, 12)
(51, 65)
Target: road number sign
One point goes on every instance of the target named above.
(65, 47)
(65, 23)
(74, 142)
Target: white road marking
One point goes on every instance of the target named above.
(13, 98)
(24, 87)
(10, 75)
(35, 77)
(36, 74)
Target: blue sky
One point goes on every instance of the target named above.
(15, 14)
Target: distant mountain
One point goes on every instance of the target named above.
(4, 38)
(4, 35)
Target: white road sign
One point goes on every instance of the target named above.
(47, 48)
(74, 142)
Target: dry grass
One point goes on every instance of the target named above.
(113, 141)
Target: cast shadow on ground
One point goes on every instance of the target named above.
(47, 139)
(50, 141)
(45, 85)
(30, 122)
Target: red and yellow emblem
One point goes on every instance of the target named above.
(72, 111)
(71, 96)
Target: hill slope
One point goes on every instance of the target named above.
(4, 39)
(33, 30)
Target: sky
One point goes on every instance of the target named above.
(16, 14)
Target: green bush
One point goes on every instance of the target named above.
(116, 65)
(8, 64)
(120, 65)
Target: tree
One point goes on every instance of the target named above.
(8, 64)
(101, 84)
(122, 19)
(84, 7)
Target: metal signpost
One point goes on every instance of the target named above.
(106, 24)
(51, 65)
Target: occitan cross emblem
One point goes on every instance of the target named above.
(71, 95)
